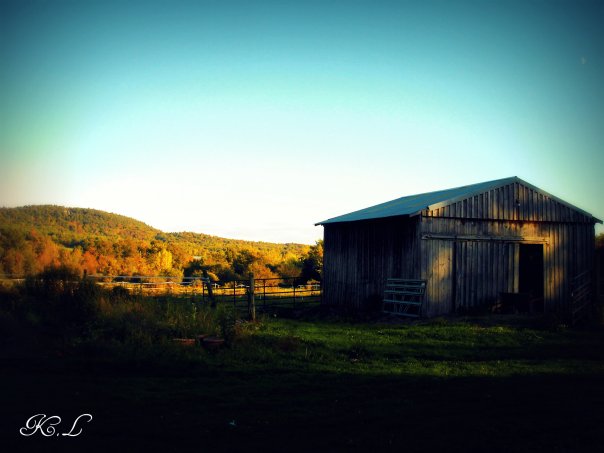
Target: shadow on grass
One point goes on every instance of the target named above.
(213, 409)
(295, 385)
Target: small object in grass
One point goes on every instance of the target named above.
(184, 341)
(212, 343)
(233, 423)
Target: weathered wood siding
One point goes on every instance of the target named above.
(469, 262)
(511, 202)
(359, 256)
(467, 250)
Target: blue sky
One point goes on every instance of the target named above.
(255, 120)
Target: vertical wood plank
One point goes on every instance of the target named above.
(501, 268)
(509, 193)
(510, 272)
(516, 248)
(472, 273)
(424, 272)
(521, 202)
(515, 201)
(480, 211)
(546, 268)
(480, 283)
(527, 202)
(429, 297)
(540, 203)
(480, 290)
(565, 244)
(466, 267)
(488, 272)
(556, 267)
(440, 280)
(435, 278)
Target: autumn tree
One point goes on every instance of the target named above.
(159, 259)
(312, 263)
(261, 270)
(251, 261)
(289, 268)
(33, 238)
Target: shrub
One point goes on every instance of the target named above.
(53, 282)
(61, 301)
(226, 323)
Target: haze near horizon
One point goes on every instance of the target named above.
(255, 120)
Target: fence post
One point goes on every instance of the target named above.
(251, 303)
(320, 292)
(206, 279)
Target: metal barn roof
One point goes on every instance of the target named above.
(414, 204)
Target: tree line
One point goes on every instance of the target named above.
(34, 238)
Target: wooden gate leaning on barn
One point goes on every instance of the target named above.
(404, 297)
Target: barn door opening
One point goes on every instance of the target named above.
(530, 275)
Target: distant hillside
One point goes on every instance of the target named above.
(34, 237)
(198, 242)
(71, 225)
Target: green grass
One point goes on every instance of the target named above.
(315, 383)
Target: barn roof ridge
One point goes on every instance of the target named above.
(413, 204)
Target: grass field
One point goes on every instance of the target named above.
(318, 383)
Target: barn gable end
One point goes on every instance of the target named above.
(514, 200)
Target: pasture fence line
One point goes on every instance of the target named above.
(244, 294)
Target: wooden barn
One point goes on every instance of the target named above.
(472, 245)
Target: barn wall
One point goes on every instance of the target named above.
(359, 256)
(514, 201)
(469, 262)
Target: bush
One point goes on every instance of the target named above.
(61, 301)
(226, 323)
(64, 308)
(53, 282)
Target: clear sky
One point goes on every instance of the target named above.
(255, 120)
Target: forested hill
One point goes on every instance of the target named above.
(69, 226)
(35, 237)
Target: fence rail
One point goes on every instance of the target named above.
(268, 292)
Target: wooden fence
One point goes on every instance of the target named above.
(266, 292)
